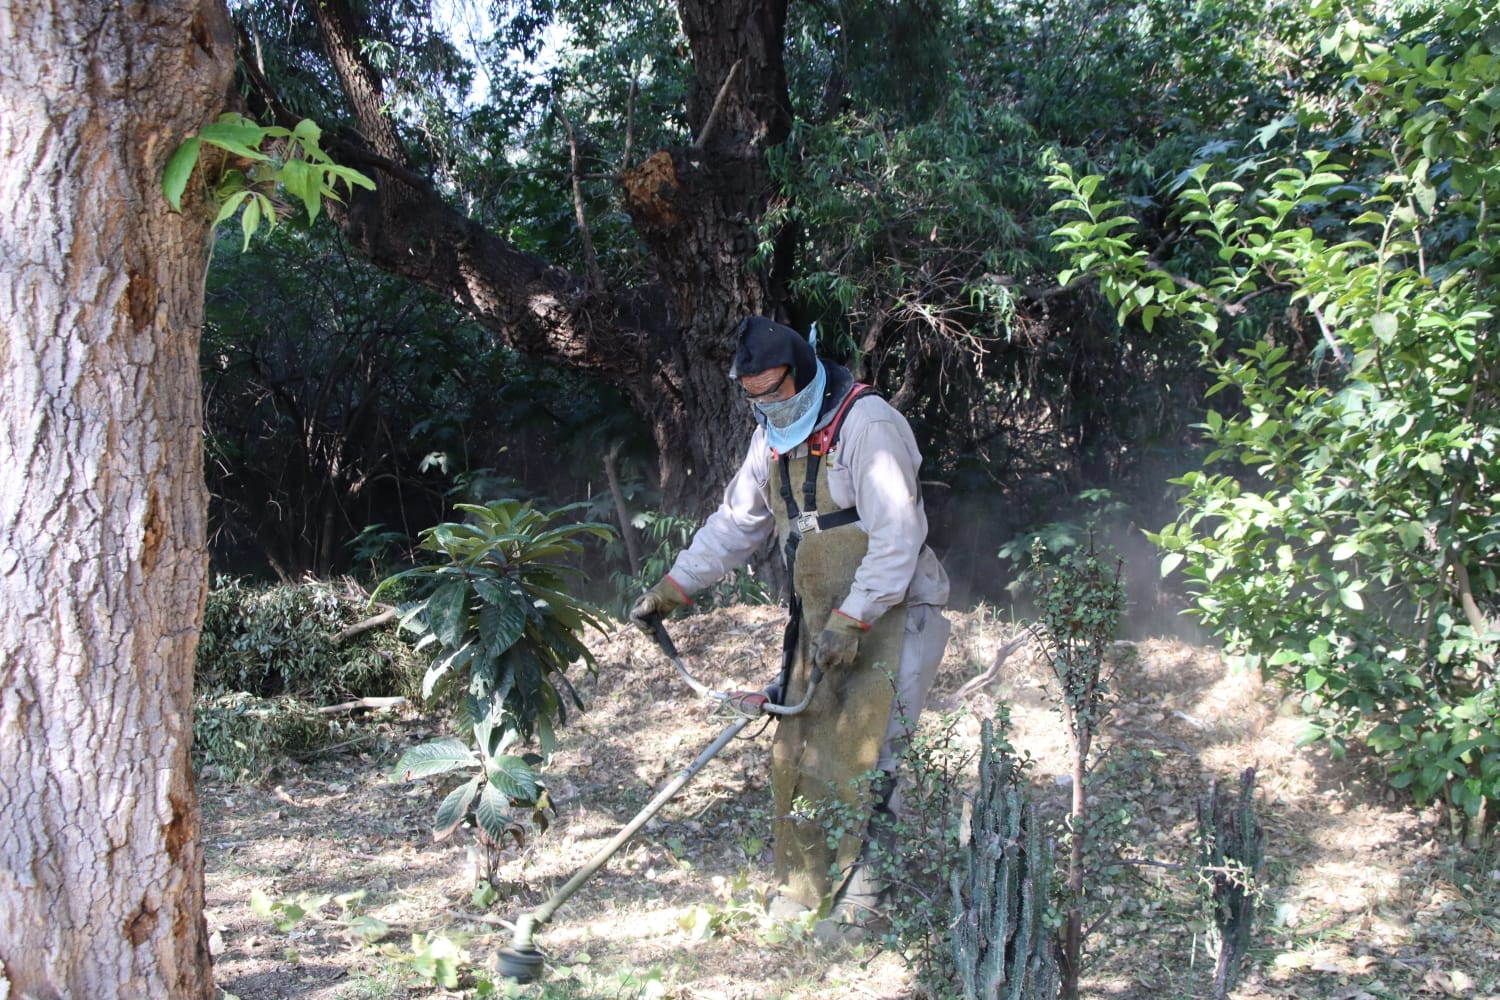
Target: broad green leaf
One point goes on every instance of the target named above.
(514, 777)
(1347, 549)
(1310, 735)
(1384, 326)
(307, 131)
(239, 136)
(231, 205)
(350, 176)
(438, 757)
(179, 169)
(447, 612)
(500, 626)
(454, 808)
(303, 183)
(493, 813)
(250, 220)
(368, 928)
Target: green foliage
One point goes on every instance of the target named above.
(915, 227)
(1357, 559)
(255, 163)
(267, 658)
(278, 640)
(496, 615)
(1065, 535)
(915, 851)
(246, 738)
(338, 397)
(289, 913)
(1079, 603)
(871, 198)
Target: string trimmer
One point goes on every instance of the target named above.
(522, 961)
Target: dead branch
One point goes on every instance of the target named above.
(371, 703)
(366, 702)
(993, 671)
(358, 628)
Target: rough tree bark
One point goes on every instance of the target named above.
(103, 564)
(666, 346)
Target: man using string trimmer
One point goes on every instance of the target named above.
(832, 470)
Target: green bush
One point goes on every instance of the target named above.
(1345, 536)
(269, 641)
(246, 737)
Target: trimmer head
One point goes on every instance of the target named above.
(524, 965)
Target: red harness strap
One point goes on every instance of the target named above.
(822, 442)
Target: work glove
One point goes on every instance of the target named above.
(838, 644)
(658, 602)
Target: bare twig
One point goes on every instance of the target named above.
(993, 670)
(482, 918)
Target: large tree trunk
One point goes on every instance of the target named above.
(102, 555)
(668, 346)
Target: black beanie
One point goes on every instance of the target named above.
(764, 344)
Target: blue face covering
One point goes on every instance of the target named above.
(788, 422)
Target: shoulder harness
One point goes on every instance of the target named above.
(822, 442)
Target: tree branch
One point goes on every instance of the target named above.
(359, 628)
(374, 703)
(993, 670)
(591, 260)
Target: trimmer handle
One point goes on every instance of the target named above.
(659, 633)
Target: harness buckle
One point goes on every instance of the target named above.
(807, 522)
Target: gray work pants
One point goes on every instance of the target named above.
(921, 653)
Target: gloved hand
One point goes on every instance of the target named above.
(838, 644)
(658, 602)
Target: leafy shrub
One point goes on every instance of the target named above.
(913, 852)
(1345, 537)
(927, 836)
(502, 628)
(278, 641)
(1080, 600)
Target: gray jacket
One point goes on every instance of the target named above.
(875, 469)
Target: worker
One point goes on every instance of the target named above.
(831, 469)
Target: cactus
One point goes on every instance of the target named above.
(1001, 943)
(1232, 849)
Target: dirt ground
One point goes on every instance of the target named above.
(1364, 897)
